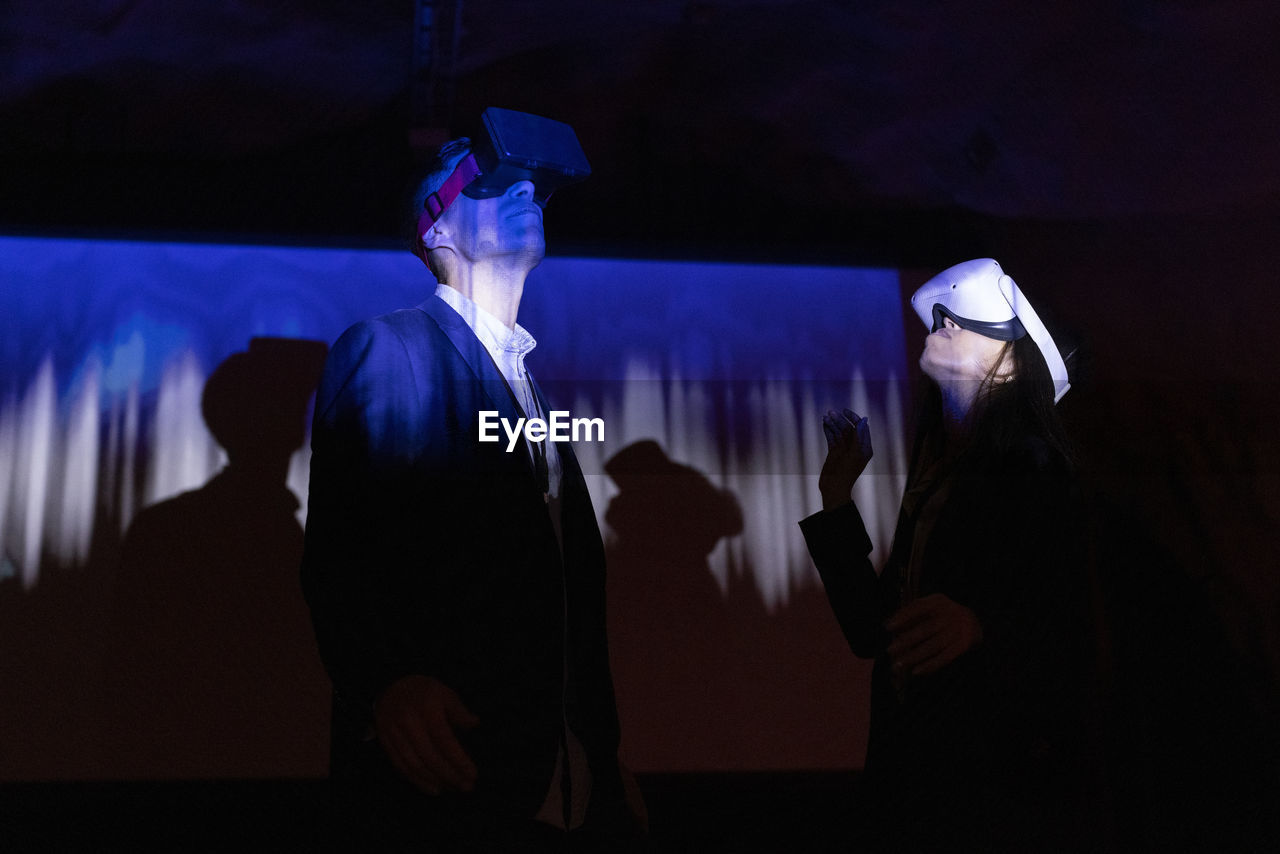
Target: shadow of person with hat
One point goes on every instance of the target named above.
(213, 668)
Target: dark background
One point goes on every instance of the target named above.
(1116, 157)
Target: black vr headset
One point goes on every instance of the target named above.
(512, 147)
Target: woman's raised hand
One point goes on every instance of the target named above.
(848, 452)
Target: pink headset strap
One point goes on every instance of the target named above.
(438, 202)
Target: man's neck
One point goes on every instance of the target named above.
(496, 287)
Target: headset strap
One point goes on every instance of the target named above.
(1036, 329)
(438, 202)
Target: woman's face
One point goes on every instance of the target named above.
(954, 355)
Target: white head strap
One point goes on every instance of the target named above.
(1035, 328)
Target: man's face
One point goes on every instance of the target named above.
(506, 225)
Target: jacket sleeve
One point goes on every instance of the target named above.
(361, 558)
(840, 548)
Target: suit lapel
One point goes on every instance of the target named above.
(493, 385)
(570, 471)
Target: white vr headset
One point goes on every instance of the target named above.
(978, 296)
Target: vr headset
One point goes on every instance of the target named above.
(511, 147)
(980, 297)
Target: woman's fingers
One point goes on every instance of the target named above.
(841, 427)
(864, 438)
(848, 450)
(404, 753)
(915, 611)
(909, 658)
(930, 633)
(832, 434)
(934, 663)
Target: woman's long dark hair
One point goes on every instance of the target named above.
(1004, 412)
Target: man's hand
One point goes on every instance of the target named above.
(848, 452)
(417, 720)
(929, 633)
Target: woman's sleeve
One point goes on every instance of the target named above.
(840, 548)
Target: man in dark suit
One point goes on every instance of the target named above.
(457, 585)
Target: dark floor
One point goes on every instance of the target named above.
(688, 813)
(703, 813)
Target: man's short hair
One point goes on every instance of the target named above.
(442, 166)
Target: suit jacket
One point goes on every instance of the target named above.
(430, 552)
(1004, 722)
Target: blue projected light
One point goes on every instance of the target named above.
(713, 320)
(726, 366)
(709, 380)
(70, 299)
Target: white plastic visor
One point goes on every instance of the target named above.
(982, 298)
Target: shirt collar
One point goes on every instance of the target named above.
(492, 332)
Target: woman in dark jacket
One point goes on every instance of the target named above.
(978, 621)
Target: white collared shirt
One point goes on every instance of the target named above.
(507, 347)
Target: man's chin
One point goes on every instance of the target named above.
(532, 253)
(529, 253)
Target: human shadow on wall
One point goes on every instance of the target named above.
(710, 678)
(212, 668)
(668, 620)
